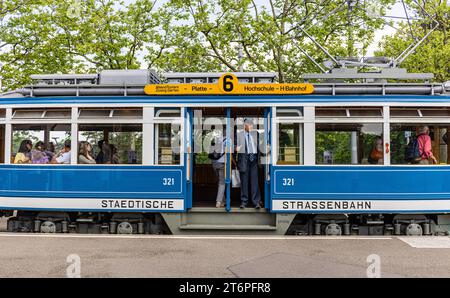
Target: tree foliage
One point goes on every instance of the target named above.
(434, 54)
(51, 36)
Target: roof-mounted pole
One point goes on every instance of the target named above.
(311, 58)
(412, 47)
(320, 46)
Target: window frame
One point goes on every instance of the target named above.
(418, 120)
(351, 120)
(274, 140)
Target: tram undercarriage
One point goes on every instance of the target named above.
(87, 223)
(260, 223)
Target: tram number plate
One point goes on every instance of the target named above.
(288, 181)
(168, 181)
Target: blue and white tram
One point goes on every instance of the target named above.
(318, 176)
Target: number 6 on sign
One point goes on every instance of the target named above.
(228, 83)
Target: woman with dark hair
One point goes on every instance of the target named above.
(38, 155)
(107, 154)
(23, 155)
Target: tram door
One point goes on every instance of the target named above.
(212, 125)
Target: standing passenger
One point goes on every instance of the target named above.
(23, 155)
(247, 164)
(424, 142)
(217, 157)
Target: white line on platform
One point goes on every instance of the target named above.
(427, 242)
(193, 237)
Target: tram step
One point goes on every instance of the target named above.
(228, 227)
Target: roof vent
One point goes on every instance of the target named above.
(447, 86)
(208, 77)
(128, 77)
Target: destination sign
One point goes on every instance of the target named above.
(228, 84)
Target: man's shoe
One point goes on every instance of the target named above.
(219, 204)
(242, 206)
(258, 206)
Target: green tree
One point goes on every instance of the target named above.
(434, 54)
(52, 36)
(268, 34)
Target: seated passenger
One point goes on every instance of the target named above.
(99, 157)
(23, 155)
(63, 157)
(50, 151)
(424, 143)
(38, 155)
(85, 152)
(114, 155)
(376, 155)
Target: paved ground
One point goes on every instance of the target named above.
(31, 255)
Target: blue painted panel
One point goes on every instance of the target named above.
(92, 181)
(356, 182)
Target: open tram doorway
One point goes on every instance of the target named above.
(210, 124)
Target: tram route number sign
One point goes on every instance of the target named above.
(228, 84)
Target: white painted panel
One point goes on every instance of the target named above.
(360, 205)
(92, 204)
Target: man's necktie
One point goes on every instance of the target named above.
(251, 155)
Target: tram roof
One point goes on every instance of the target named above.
(128, 85)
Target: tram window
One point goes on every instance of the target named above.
(352, 143)
(110, 113)
(168, 143)
(41, 113)
(52, 136)
(128, 113)
(290, 144)
(402, 112)
(167, 112)
(330, 112)
(2, 113)
(435, 112)
(2, 143)
(120, 143)
(27, 114)
(94, 113)
(349, 112)
(289, 112)
(403, 134)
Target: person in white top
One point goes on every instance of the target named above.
(64, 156)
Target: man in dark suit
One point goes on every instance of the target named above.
(247, 164)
